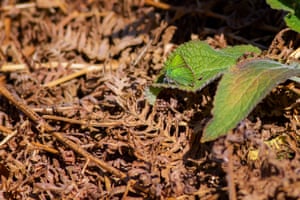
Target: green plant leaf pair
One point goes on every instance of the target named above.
(241, 88)
(195, 64)
(292, 19)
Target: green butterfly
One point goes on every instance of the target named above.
(177, 71)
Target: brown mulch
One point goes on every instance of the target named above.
(75, 124)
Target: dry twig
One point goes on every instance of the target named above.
(45, 127)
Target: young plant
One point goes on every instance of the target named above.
(195, 64)
(292, 19)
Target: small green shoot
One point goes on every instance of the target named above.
(195, 64)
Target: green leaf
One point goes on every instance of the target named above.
(241, 49)
(151, 93)
(240, 89)
(195, 64)
(292, 19)
(293, 22)
(179, 72)
(287, 5)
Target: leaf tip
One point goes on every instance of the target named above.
(212, 131)
(151, 94)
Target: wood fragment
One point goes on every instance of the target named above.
(24, 108)
(44, 147)
(11, 67)
(160, 5)
(66, 78)
(230, 174)
(18, 6)
(75, 147)
(8, 137)
(82, 122)
(5, 129)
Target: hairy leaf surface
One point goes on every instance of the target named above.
(195, 64)
(240, 89)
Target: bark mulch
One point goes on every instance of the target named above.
(75, 124)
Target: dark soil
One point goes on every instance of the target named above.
(75, 124)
